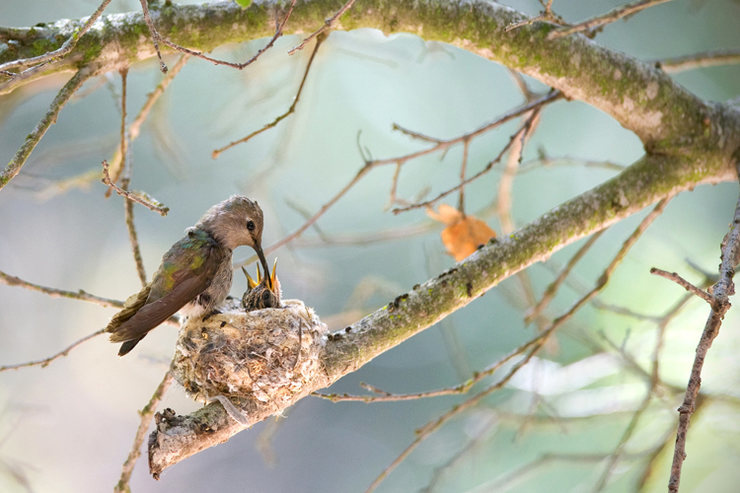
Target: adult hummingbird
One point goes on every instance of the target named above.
(195, 274)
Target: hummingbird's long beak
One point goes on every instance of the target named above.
(258, 249)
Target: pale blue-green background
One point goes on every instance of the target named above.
(69, 427)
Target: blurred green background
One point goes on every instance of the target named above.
(69, 427)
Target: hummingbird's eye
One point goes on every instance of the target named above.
(250, 225)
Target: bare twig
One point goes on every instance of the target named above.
(699, 60)
(9, 280)
(146, 418)
(652, 386)
(309, 222)
(683, 283)
(607, 18)
(503, 202)
(280, 118)
(33, 138)
(522, 133)
(482, 435)
(328, 24)
(393, 197)
(116, 162)
(364, 239)
(463, 169)
(722, 290)
(57, 54)
(533, 346)
(43, 363)
(132, 236)
(462, 388)
(553, 287)
(444, 144)
(157, 38)
(440, 145)
(631, 240)
(139, 197)
(543, 160)
(546, 15)
(128, 205)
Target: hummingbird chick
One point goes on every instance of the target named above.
(195, 274)
(264, 293)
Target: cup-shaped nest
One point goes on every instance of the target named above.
(270, 354)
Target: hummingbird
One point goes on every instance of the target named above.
(264, 293)
(195, 274)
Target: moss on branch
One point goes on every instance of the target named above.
(640, 96)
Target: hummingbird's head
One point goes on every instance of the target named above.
(234, 222)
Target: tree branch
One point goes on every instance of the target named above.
(650, 179)
(33, 138)
(640, 96)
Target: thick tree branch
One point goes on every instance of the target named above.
(640, 96)
(645, 182)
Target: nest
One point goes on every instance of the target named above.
(270, 355)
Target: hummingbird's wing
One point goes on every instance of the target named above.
(187, 270)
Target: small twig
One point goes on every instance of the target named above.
(607, 18)
(328, 24)
(33, 138)
(414, 135)
(59, 53)
(393, 197)
(628, 243)
(543, 160)
(128, 205)
(157, 38)
(510, 480)
(132, 236)
(81, 295)
(506, 182)
(523, 131)
(699, 60)
(43, 363)
(722, 290)
(632, 426)
(309, 222)
(116, 163)
(553, 287)
(461, 388)
(482, 435)
(280, 118)
(546, 15)
(146, 418)
(139, 197)
(426, 430)
(442, 144)
(364, 239)
(683, 283)
(463, 169)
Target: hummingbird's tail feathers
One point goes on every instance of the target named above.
(154, 312)
(128, 346)
(132, 305)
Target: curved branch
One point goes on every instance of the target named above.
(650, 179)
(640, 96)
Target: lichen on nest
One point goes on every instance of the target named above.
(271, 355)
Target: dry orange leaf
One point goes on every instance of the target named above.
(463, 234)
